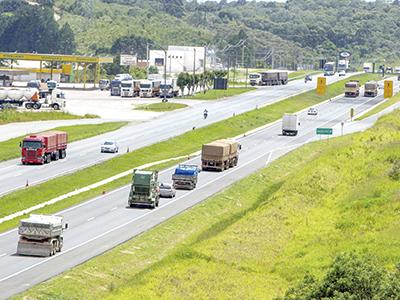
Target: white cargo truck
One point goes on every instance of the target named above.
(127, 88)
(290, 124)
(255, 79)
(41, 235)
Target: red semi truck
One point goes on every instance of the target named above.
(44, 147)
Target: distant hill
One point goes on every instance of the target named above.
(298, 31)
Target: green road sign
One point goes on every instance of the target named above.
(326, 131)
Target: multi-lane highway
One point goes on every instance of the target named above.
(13, 175)
(101, 223)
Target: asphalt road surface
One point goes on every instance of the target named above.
(81, 154)
(104, 222)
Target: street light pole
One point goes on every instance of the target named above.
(165, 76)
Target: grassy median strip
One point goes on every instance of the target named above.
(186, 143)
(264, 233)
(10, 149)
(218, 94)
(388, 102)
(11, 116)
(161, 106)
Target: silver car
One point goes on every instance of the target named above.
(109, 146)
(167, 190)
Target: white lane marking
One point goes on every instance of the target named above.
(130, 221)
(16, 175)
(269, 158)
(2, 255)
(114, 208)
(90, 219)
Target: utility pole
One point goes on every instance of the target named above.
(165, 76)
(147, 58)
(194, 61)
(243, 55)
(272, 59)
(205, 59)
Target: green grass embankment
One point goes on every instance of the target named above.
(380, 107)
(174, 147)
(264, 233)
(160, 107)
(218, 94)
(10, 149)
(11, 116)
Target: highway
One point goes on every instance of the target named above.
(106, 221)
(81, 154)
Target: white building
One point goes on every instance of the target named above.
(180, 59)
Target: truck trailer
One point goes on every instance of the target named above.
(371, 89)
(185, 177)
(40, 235)
(44, 147)
(329, 69)
(274, 78)
(352, 88)
(144, 189)
(290, 124)
(220, 155)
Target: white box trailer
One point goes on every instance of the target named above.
(40, 235)
(290, 124)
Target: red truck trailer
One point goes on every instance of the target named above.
(44, 147)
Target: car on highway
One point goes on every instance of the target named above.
(342, 73)
(110, 147)
(312, 112)
(167, 190)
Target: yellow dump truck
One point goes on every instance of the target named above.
(220, 155)
(352, 88)
(371, 89)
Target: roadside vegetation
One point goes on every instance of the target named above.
(11, 116)
(285, 225)
(184, 144)
(218, 94)
(388, 102)
(161, 106)
(10, 149)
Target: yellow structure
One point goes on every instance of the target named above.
(321, 86)
(71, 59)
(388, 89)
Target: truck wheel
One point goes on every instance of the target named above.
(36, 106)
(28, 105)
(56, 106)
(48, 158)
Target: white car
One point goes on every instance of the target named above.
(167, 190)
(109, 146)
(342, 73)
(312, 112)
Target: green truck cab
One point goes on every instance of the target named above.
(145, 189)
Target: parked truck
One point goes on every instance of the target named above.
(150, 88)
(144, 189)
(115, 87)
(255, 79)
(274, 78)
(44, 147)
(40, 235)
(169, 89)
(127, 89)
(367, 67)
(352, 88)
(30, 98)
(220, 155)
(185, 176)
(371, 89)
(290, 124)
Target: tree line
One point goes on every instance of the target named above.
(192, 82)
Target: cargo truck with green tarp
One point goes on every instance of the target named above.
(144, 189)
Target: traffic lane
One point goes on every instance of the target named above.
(49, 267)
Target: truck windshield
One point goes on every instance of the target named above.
(328, 67)
(126, 85)
(165, 86)
(32, 144)
(115, 84)
(145, 86)
(351, 85)
(254, 76)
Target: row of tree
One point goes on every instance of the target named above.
(192, 82)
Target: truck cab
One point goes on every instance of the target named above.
(352, 89)
(169, 89)
(115, 87)
(255, 79)
(150, 88)
(104, 84)
(127, 89)
(144, 189)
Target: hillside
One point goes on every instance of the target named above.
(265, 233)
(300, 31)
